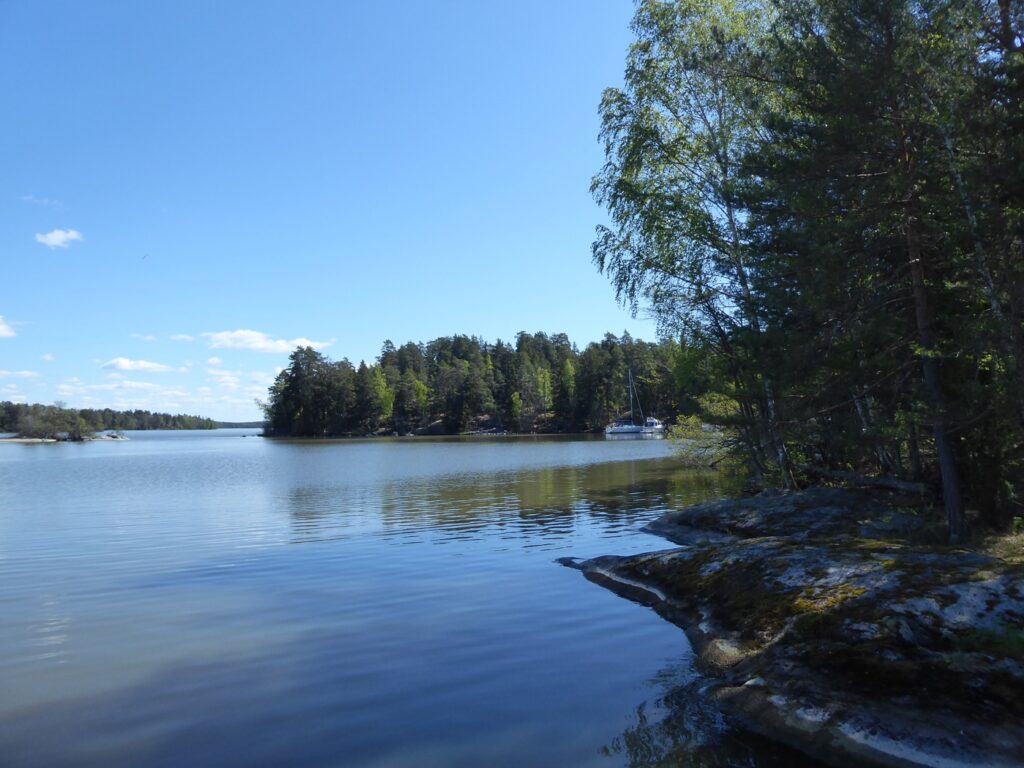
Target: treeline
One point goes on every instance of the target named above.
(456, 384)
(52, 421)
(826, 197)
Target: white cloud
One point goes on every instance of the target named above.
(59, 238)
(19, 375)
(48, 357)
(182, 337)
(214, 361)
(124, 364)
(6, 332)
(76, 387)
(229, 405)
(10, 392)
(259, 342)
(41, 201)
(258, 381)
(226, 379)
(144, 336)
(145, 386)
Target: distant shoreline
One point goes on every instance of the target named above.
(15, 440)
(34, 440)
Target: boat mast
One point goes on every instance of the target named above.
(629, 381)
(632, 394)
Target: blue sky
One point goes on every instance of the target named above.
(192, 188)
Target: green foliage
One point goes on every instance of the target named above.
(59, 422)
(823, 199)
(516, 408)
(707, 439)
(695, 444)
(461, 383)
(375, 400)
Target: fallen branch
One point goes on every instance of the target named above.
(852, 478)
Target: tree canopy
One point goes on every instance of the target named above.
(827, 196)
(455, 384)
(50, 421)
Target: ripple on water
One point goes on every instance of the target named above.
(358, 603)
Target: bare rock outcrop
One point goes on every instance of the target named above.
(826, 621)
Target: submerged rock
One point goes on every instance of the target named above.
(824, 622)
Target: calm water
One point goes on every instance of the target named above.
(200, 598)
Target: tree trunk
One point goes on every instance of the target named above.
(770, 414)
(916, 470)
(950, 475)
(781, 454)
(1008, 335)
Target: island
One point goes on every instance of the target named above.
(540, 383)
(58, 423)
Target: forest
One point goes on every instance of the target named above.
(455, 384)
(822, 203)
(52, 421)
(827, 198)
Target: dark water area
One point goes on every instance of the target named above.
(214, 598)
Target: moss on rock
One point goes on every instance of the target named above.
(831, 602)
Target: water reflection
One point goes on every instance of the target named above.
(542, 502)
(197, 600)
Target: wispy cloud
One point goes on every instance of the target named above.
(59, 238)
(124, 364)
(259, 342)
(6, 332)
(75, 386)
(44, 201)
(214, 361)
(229, 380)
(48, 358)
(231, 405)
(182, 337)
(10, 392)
(144, 336)
(252, 384)
(19, 375)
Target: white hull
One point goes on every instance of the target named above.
(623, 429)
(643, 434)
(634, 430)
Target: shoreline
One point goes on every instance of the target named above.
(40, 440)
(828, 621)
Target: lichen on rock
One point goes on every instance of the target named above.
(868, 645)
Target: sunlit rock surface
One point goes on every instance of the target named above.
(826, 620)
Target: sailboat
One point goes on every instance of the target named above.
(651, 426)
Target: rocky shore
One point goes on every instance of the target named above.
(832, 621)
(38, 440)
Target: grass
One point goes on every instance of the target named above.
(1008, 547)
(1008, 642)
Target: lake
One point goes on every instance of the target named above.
(215, 598)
